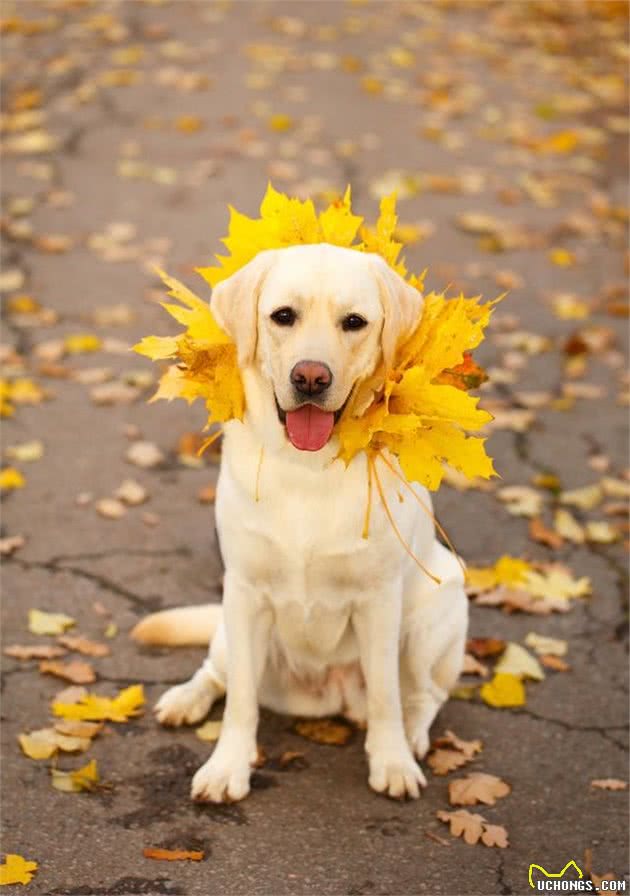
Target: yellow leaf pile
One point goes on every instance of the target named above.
(413, 416)
(413, 410)
(207, 367)
(95, 708)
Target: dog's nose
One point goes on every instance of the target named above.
(311, 377)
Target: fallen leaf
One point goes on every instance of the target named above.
(131, 493)
(484, 647)
(10, 479)
(562, 257)
(85, 778)
(82, 343)
(543, 535)
(16, 870)
(585, 498)
(34, 651)
(521, 500)
(45, 742)
(76, 671)
(567, 526)
(517, 661)
(209, 731)
(609, 784)
(207, 494)
(84, 645)
(495, 835)
(324, 731)
(71, 728)
(41, 623)
(450, 752)
(549, 661)
(510, 571)
(472, 666)
(473, 828)
(91, 707)
(542, 644)
(477, 787)
(10, 544)
(26, 451)
(110, 508)
(601, 532)
(144, 454)
(504, 690)
(172, 855)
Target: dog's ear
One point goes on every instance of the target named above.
(402, 308)
(234, 303)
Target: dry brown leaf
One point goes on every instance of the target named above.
(472, 666)
(77, 671)
(495, 835)
(484, 647)
(451, 752)
(110, 508)
(131, 493)
(172, 855)
(207, 494)
(542, 534)
(74, 728)
(609, 784)
(84, 645)
(324, 731)
(144, 454)
(10, 544)
(477, 787)
(550, 661)
(473, 828)
(34, 651)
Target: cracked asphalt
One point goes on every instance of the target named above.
(155, 116)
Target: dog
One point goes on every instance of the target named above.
(316, 619)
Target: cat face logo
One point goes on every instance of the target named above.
(559, 874)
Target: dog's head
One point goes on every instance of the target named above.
(314, 321)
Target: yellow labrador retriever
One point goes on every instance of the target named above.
(316, 619)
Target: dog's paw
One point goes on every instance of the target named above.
(420, 742)
(222, 779)
(396, 774)
(184, 704)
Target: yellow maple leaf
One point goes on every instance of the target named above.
(81, 343)
(10, 479)
(94, 708)
(504, 690)
(413, 415)
(509, 571)
(41, 623)
(84, 778)
(16, 870)
(207, 364)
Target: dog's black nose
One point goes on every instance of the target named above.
(311, 377)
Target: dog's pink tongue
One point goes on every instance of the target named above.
(309, 427)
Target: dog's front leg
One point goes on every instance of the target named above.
(225, 776)
(393, 770)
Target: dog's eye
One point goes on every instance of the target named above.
(353, 322)
(284, 317)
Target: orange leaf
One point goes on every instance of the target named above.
(172, 855)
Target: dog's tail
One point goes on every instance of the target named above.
(179, 627)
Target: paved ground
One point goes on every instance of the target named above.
(139, 122)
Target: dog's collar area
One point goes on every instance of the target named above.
(282, 414)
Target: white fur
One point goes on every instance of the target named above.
(317, 619)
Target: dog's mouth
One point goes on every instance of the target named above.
(309, 427)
